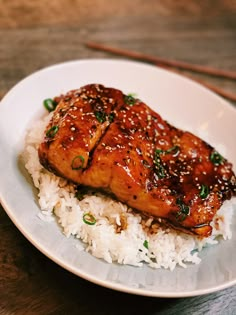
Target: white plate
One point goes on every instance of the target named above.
(180, 101)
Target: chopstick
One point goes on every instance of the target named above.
(170, 64)
(165, 62)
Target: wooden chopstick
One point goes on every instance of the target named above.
(165, 62)
(170, 64)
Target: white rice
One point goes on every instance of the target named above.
(167, 248)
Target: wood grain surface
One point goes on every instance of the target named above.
(35, 34)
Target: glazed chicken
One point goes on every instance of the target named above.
(101, 138)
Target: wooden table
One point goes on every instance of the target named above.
(35, 34)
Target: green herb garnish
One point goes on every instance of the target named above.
(52, 131)
(145, 244)
(77, 162)
(49, 104)
(101, 116)
(216, 158)
(204, 191)
(159, 168)
(129, 99)
(89, 219)
(183, 212)
(174, 149)
(111, 117)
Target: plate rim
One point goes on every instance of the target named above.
(220, 98)
(92, 279)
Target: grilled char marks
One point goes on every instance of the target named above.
(112, 141)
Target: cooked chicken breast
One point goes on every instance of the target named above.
(104, 139)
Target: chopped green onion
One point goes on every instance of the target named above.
(111, 117)
(160, 171)
(77, 162)
(101, 116)
(89, 219)
(159, 151)
(129, 99)
(204, 191)
(145, 244)
(174, 148)
(216, 158)
(159, 168)
(52, 131)
(183, 212)
(49, 104)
